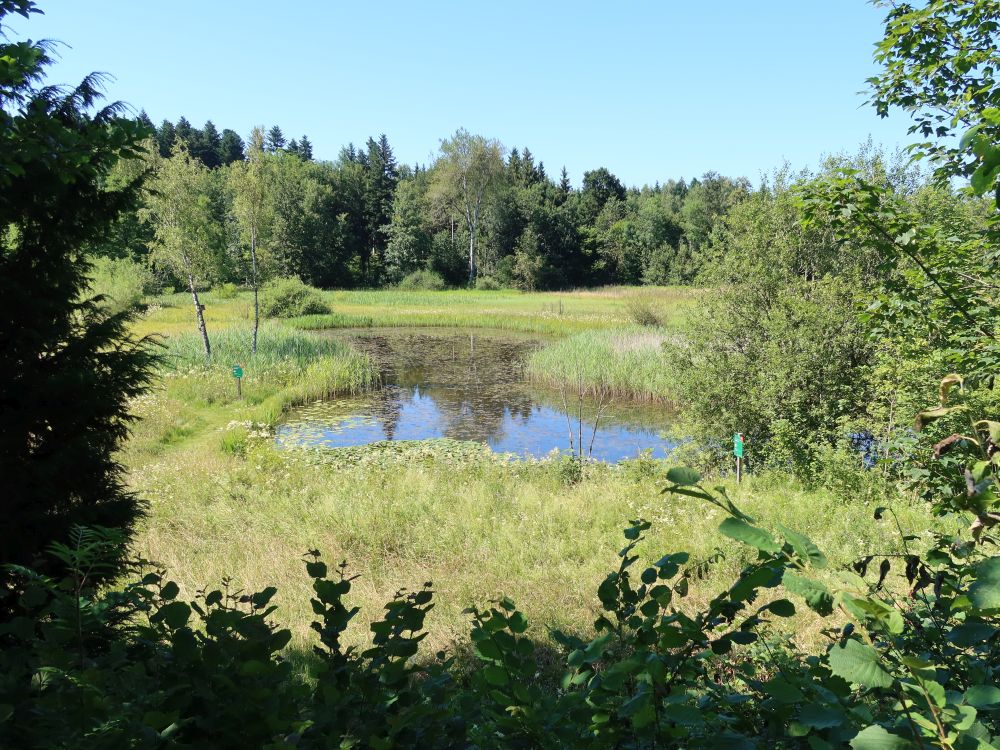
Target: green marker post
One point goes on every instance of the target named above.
(738, 452)
(238, 374)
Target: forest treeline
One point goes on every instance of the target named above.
(478, 210)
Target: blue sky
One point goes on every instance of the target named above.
(650, 90)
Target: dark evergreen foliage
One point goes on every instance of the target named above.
(68, 368)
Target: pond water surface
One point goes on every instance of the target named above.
(448, 383)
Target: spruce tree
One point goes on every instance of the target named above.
(165, 138)
(184, 132)
(275, 139)
(68, 367)
(293, 147)
(231, 147)
(207, 145)
(143, 119)
(305, 148)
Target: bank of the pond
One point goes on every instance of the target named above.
(223, 501)
(474, 524)
(616, 363)
(289, 368)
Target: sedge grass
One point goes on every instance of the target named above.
(289, 368)
(478, 529)
(619, 363)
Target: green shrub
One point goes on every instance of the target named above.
(121, 281)
(287, 298)
(643, 313)
(487, 284)
(427, 281)
(228, 290)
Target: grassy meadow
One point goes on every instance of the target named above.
(223, 502)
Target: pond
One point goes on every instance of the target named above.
(469, 385)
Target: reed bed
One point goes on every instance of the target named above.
(617, 363)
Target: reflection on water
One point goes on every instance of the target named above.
(468, 386)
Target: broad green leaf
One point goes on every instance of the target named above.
(859, 664)
(876, 738)
(820, 717)
(804, 547)
(174, 614)
(496, 675)
(983, 696)
(741, 531)
(816, 595)
(971, 634)
(782, 608)
(684, 476)
(985, 590)
(783, 691)
(518, 622)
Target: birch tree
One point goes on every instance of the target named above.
(185, 234)
(467, 172)
(251, 209)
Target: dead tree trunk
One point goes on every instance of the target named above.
(199, 310)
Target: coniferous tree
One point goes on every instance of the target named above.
(305, 148)
(231, 147)
(165, 137)
(381, 176)
(184, 132)
(293, 147)
(207, 145)
(564, 185)
(143, 119)
(68, 367)
(275, 139)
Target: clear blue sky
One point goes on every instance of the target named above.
(651, 90)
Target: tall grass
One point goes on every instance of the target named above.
(276, 345)
(477, 529)
(621, 363)
(290, 368)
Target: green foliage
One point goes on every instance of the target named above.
(69, 368)
(122, 283)
(773, 353)
(487, 284)
(910, 661)
(643, 313)
(427, 281)
(227, 290)
(626, 362)
(288, 298)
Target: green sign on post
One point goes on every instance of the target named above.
(238, 374)
(738, 452)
